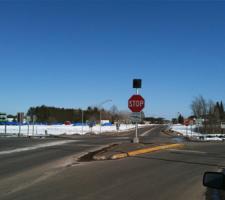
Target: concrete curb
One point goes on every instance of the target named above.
(145, 150)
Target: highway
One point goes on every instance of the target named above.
(54, 173)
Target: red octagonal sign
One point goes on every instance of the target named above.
(136, 103)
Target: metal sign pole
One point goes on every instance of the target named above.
(33, 125)
(136, 104)
(136, 140)
(19, 128)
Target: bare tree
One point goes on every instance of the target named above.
(124, 116)
(199, 107)
(114, 110)
(114, 113)
(211, 106)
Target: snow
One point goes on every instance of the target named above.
(62, 129)
(188, 131)
(185, 130)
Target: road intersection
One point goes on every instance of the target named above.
(53, 172)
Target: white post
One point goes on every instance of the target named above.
(100, 121)
(28, 128)
(82, 121)
(33, 126)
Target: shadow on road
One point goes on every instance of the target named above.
(180, 161)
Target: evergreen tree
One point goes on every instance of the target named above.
(180, 119)
(222, 114)
(217, 112)
(47, 114)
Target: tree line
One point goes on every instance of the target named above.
(212, 113)
(50, 115)
(209, 110)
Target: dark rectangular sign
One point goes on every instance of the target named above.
(137, 83)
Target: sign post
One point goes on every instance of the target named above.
(28, 125)
(5, 128)
(82, 117)
(136, 104)
(20, 118)
(33, 122)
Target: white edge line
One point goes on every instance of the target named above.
(49, 144)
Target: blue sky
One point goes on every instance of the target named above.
(79, 53)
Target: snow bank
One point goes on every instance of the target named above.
(188, 131)
(62, 129)
(185, 130)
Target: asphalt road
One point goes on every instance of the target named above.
(13, 163)
(54, 173)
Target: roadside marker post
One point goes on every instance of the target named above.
(28, 125)
(136, 104)
(5, 128)
(82, 118)
(33, 122)
(20, 118)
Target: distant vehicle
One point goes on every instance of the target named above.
(213, 138)
(67, 123)
(3, 117)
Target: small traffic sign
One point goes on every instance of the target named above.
(136, 103)
(223, 125)
(135, 117)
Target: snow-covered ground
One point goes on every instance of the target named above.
(185, 130)
(188, 131)
(62, 129)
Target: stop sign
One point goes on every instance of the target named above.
(136, 103)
